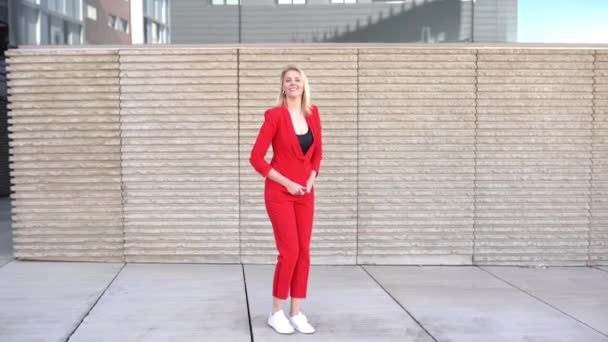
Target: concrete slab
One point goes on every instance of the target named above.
(6, 234)
(45, 301)
(344, 304)
(581, 292)
(468, 304)
(170, 302)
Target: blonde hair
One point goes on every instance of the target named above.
(282, 98)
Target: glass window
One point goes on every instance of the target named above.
(91, 12)
(225, 2)
(124, 25)
(58, 6)
(147, 6)
(78, 9)
(27, 22)
(70, 9)
(158, 13)
(111, 21)
(154, 33)
(56, 32)
(157, 9)
(292, 2)
(73, 33)
(51, 5)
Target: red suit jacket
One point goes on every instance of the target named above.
(287, 158)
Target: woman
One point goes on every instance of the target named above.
(294, 130)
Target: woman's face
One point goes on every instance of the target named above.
(293, 85)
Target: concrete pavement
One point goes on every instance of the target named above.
(473, 304)
(345, 304)
(170, 302)
(61, 301)
(6, 235)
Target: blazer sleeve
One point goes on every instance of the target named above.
(263, 141)
(318, 152)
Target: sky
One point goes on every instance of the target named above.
(562, 21)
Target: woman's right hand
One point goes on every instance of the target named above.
(295, 188)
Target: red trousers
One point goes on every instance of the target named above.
(291, 217)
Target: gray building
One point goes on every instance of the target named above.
(388, 21)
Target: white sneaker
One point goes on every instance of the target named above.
(280, 323)
(300, 322)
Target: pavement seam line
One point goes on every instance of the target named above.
(398, 303)
(247, 302)
(96, 301)
(600, 269)
(7, 262)
(541, 300)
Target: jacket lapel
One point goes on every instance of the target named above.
(293, 138)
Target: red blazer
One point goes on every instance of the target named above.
(287, 158)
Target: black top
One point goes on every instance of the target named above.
(305, 140)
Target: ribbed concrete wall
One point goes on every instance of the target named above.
(449, 155)
(65, 131)
(416, 155)
(534, 117)
(180, 177)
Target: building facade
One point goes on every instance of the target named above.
(379, 21)
(156, 21)
(46, 22)
(107, 22)
(81, 22)
(4, 39)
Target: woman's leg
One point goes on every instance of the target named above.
(296, 303)
(282, 216)
(304, 212)
(277, 304)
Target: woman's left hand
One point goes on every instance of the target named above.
(309, 183)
